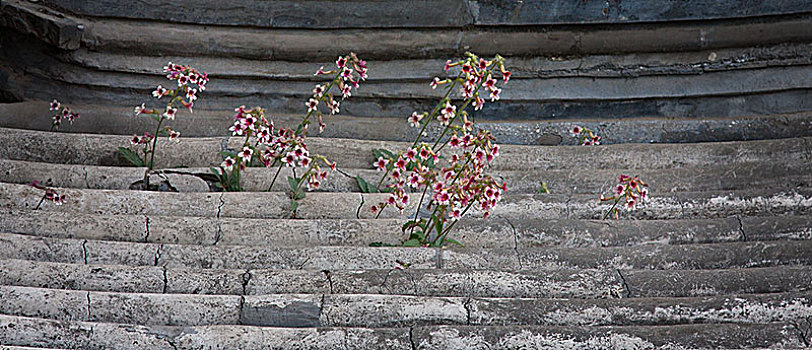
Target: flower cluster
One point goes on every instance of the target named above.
(475, 73)
(630, 190)
(585, 136)
(270, 146)
(349, 72)
(190, 83)
(61, 112)
(49, 195)
(460, 183)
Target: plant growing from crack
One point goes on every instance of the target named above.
(49, 194)
(190, 82)
(586, 137)
(630, 190)
(265, 145)
(61, 112)
(450, 188)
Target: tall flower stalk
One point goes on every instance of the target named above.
(452, 188)
(265, 145)
(190, 82)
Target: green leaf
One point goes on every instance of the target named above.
(362, 184)
(299, 194)
(228, 154)
(293, 182)
(294, 205)
(438, 225)
(381, 244)
(453, 241)
(543, 187)
(131, 156)
(409, 224)
(412, 243)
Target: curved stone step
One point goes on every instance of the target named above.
(120, 35)
(91, 335)
(378, 311)
(668, 257)
(543, 283)
(325, 205)
(475, 233)
(455, 13)
(536, 283)
(423, 70)
(91, 149)
(576, 181)
(103, 119)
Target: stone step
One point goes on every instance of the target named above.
(663, 257)
(93, 335)
(520, 90)
(378, 311)
(764, 91)
(325, 205)
(455, 13)
(423, 70)
(91, 149)
(695, 179)
(475, 233)
(104, 119)
(536, 283)
(177, 39)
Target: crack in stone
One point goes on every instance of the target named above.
(246, 277)
(329, 276)
(411, 338)
(88, 307)
(741, 228)
(146, 224)
(321, 312)
(166, 280)
(84, 251)
(625, 285)
(803, 335)
(242, 306)
(467, 306)
(219, 235)
(87, 182)
(158, 254)
(386, 278)
(358, 211)
(515, 241)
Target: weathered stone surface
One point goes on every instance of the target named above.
(41, 22)
(449, 13)
(532, 337)
(392, 311)
(114, 35)
(40, 274)
(675, 283)
(282, 310)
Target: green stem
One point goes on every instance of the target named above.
(437, 108)
(448, 229)
(275, 175)
(612, 208)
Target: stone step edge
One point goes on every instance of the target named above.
(203, 151)
(476, 233)
(337, 310)
(541, 282)
(95, 335)
(671, 257)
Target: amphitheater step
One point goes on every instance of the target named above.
(377, 311)
(477, 233)
(92, 335)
